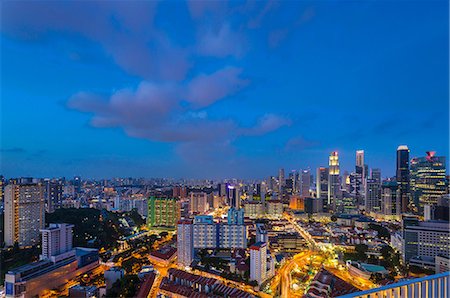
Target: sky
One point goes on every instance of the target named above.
(219, 89)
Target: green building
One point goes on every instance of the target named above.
(162, 212)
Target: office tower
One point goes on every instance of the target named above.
(376, 175)
(390, 199)
(56, 240)
(199, 202)
(360, 176)
(258, 259)
(425, 239)
(261, 233)
(263, 193)
(24, 213)
(205, 232)
(373, 196)
(334, 187)
(179, 192)
(185, 242)
(322, 185)
(53, 191)
(305, 183)
(235, 216)
(77, 184)
(402, 177)
(234, 198)
(163, 212)
(289, 185)
(222, 188)
(281, 180)
(428, 180)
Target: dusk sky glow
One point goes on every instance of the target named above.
(216, 89)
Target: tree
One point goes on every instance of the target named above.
(333, 218)
(361, 250)
(376, 277)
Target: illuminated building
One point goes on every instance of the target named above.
(59, 263)
(205, 232)
(274, 208)
(234, 198)
(431, 286)
(376, 175)
(297, 203)
(428, 180)
(56, 240)
(390, 200)
(334, 187)
(162, 212)
(305, 183)
(24, 213)
(185, 242)
(425, 239)
(402, 177)
(235, 216)
(198, 202)
(360, 178)
(281, 180)
(53, 192)
(373, 196)
(179, 192)
(232, 236)
(258, 262)
(261, 233)
(254, 209)
(322, 185)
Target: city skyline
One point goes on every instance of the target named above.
(229, 90)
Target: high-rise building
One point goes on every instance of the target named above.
(234, 197)
(179, 192)
(199, 202)
(305, 183)
(24, 213)
(185, 242)
(53, 192)
(360, 178)
(334, 187)
(373, 196)
(56, 240)
(376, 175)
(322, 185)
(261, 233)
(428, 180)
(205, 232)
(390, 199)
(163, 212)
(281, 180)
(258, 262)
(402, 176)
(235, 216)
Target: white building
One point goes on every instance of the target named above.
(258, 262)
(112, 275)
(185, 242)
(205, 232)
(56, 240)
(254, 209)
(24, 213)
(275, 208)
(232, 236)
(442, 264)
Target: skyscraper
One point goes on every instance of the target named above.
(428, 181)
(53, 192)
(359, 185)
(185, 242)
(403, 177)
(373, 196)
(322, 185)
(24, 213)
(334, 187)
(258, 262)
(281, 180)
(390, 199)
(199, 202)
(234, 198)
(305, 183)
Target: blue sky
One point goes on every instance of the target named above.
(217, 89)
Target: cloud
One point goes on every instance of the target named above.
(299, 143)
(221, 43)
(266, 124)
(13, 150)
(206, 89)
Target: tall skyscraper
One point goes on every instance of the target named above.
(334, 187)
(56, 240)
(281, 180)
(373, 196)
(360, 178)
(185, 242)
(428, 180)
(403, 177)
(322, 185)
(376, 175)
(305, 183)
(24, 213)
(234, 198)
(390, 199)
(258, 262)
